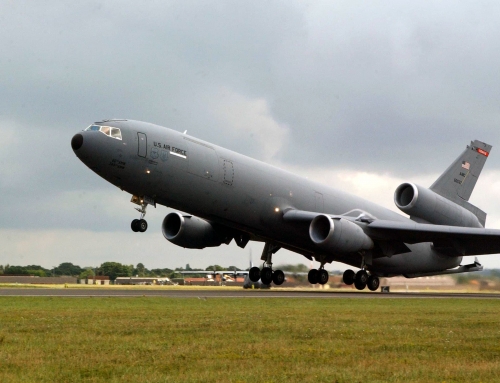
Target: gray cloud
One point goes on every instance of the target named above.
(395, 88)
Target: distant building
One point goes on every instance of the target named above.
(143, 281)
(96, 280)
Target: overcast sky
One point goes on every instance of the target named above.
(358, 95)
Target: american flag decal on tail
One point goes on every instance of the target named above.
(466, 165)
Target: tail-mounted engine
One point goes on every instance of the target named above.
(192, 232)
(338, 235)
(422, 203)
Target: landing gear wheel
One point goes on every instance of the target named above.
(143, 225)
(322, 276)
(373, 283)
(278, 277)
(348, 277)
(266, 275)
(254, 274)
(361, 279)
(313, 276)
(135, 225)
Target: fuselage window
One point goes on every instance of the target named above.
(107, 130)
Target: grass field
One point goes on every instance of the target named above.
(248, 340)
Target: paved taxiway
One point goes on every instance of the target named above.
(206, 293)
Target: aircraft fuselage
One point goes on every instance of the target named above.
(219, 185)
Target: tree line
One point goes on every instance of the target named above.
(116, 269)
(110, 269)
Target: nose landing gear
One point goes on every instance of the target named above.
(140, 225)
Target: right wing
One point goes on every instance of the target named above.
(464, 240)
(391, 236)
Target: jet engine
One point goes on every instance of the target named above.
(423, 203)
(338, 235)
(192, 232)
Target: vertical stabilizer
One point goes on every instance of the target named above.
(457, 182)
(461, 177)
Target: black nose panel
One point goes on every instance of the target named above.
(77, 141)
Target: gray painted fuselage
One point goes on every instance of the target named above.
(236, 191)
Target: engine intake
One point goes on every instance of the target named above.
(338, 235)
(192, 232)
(423, 203)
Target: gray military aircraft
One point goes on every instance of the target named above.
(222, 196)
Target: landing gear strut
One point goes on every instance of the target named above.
(139, 225)
(267, 275)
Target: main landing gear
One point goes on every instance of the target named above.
(267, 275)
(318, 276)
(361, 279)
(139, 225)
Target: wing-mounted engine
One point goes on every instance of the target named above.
(423, 204)
(192, 232)
(338, 235)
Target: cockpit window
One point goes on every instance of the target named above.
(107, 130)
(116, 133)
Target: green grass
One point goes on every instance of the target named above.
(248, 340)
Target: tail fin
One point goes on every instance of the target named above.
(457, 182)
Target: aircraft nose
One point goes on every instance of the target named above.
(77, 142)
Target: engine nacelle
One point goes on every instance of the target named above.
(338, 235)
(423, 203)
(192, 232)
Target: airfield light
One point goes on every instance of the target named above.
(148, 171)
(276, 209)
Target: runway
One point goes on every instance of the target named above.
(218, 293)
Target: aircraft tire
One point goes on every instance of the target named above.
(361, 279)
(135, 225)
(322, 276)
(278, 277)
(143, 225)
(266, 275)
(373, 283)
(312, 276)
(348, 277)
(254, 274)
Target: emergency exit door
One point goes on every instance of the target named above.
(142, 149)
